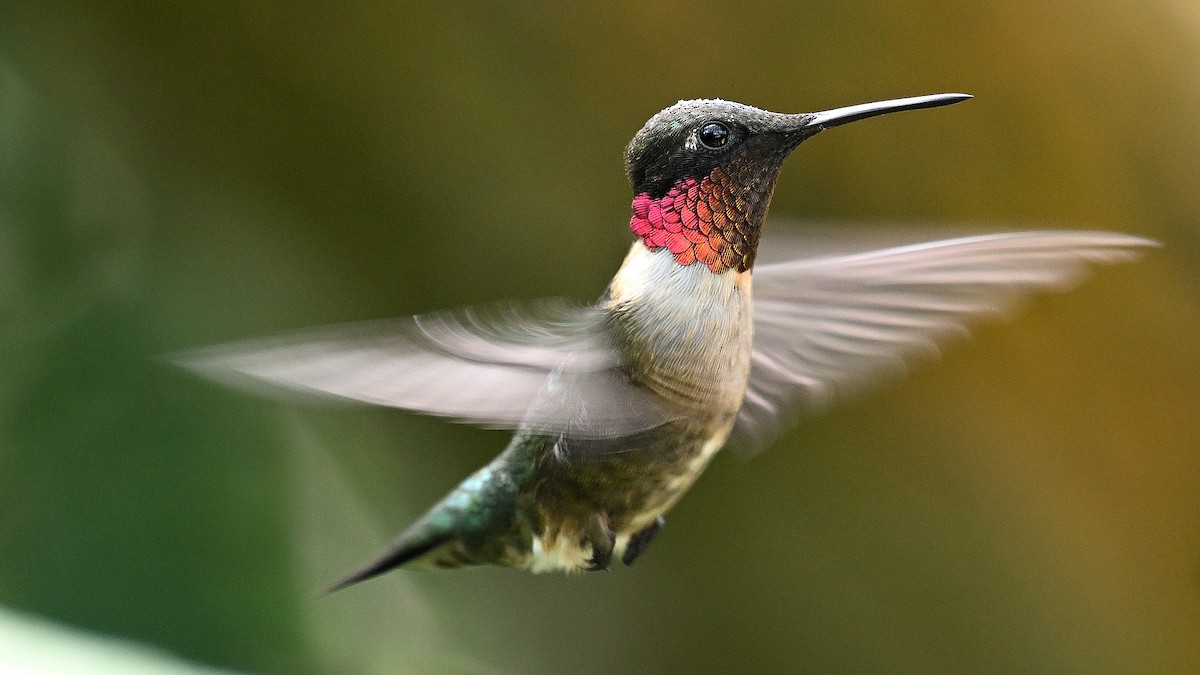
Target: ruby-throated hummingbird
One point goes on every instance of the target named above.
(619, 406)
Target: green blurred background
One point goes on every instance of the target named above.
(176, 175)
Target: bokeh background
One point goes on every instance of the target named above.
(173, 175)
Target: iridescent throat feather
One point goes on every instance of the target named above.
(714, 221)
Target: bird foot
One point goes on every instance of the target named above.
(641, 539)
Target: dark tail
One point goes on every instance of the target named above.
(401, 552)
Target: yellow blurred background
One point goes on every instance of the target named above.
(173, 176)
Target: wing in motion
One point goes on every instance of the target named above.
(825, 327)
(546, 367)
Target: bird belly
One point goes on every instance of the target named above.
(562, 544)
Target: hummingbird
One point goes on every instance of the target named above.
(618, 406)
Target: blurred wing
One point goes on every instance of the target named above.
(545, 367)
(787, 240)
(827, 327)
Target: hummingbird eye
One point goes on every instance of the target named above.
(713, 134)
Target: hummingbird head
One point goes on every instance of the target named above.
(703, 172)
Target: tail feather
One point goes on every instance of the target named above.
(403, 551)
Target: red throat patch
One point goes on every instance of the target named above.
(703, 221)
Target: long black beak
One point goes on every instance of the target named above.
(808, 124)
